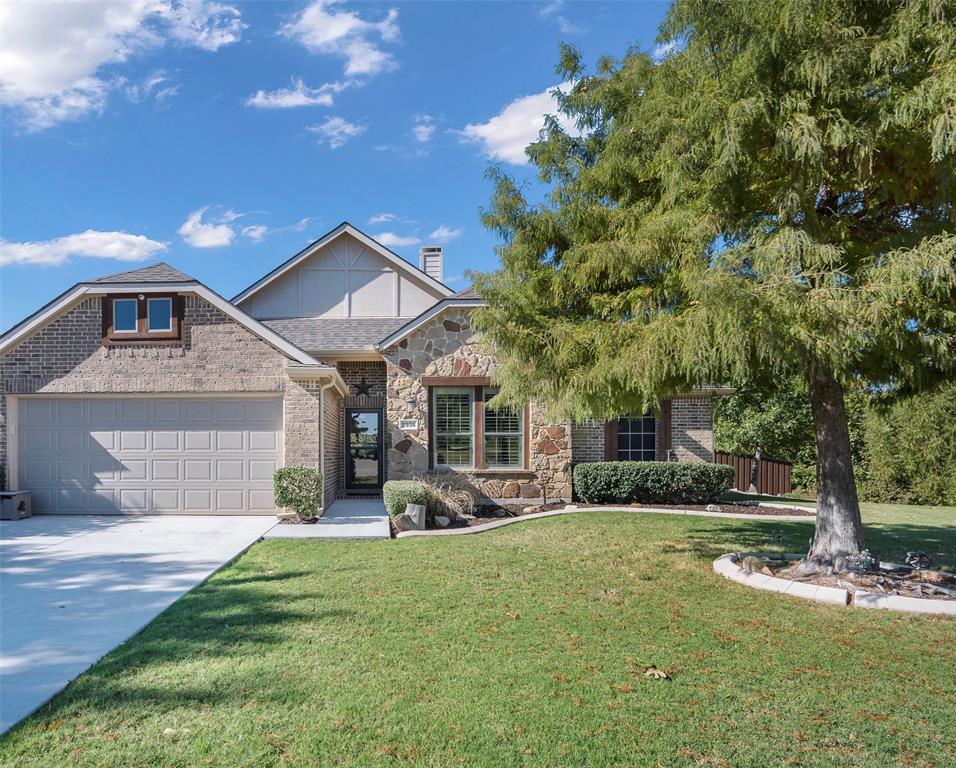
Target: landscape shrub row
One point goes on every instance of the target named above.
(651, 482)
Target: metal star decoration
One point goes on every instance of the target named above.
(363, 388)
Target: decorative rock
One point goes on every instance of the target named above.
(511, 490)
(451, 325)
(441, 521)
(712, 508)
(402, 446)
(530, 510)
(529, 491)
(286, 516)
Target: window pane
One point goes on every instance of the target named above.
(453, 450)
(452, 412)
(637, 438)
(503, 451)
(124, 315)
(160, 314)
(506, 419)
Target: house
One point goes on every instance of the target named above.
(147, 392)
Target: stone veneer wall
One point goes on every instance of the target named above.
(216, 355)
(692, 429)
(447, 346)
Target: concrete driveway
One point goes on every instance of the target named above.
(73, 588)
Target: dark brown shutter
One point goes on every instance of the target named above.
(610, 441)
(664, 431)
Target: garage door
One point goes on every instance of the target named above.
(156, 455)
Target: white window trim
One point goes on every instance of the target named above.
(487, 394)
(149, 303)
(470, 391)
(135, 328)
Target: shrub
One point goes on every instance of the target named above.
(651, 482)
(299, 489)
(397, 494)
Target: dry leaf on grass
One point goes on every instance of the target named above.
(655, 673)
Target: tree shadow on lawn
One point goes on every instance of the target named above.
(231, 617)
(890, 542)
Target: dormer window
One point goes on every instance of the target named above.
(124, 316)
(159, 315)
(138, 318)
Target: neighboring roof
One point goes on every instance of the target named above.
(468, 293)
(428, 314)
(328, 237)
(154, 273)
(336, 334)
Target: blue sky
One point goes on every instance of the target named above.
(223, 137)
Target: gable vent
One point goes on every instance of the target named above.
(430, 261)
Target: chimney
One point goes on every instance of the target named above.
(430, 261)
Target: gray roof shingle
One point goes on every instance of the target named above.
(468, 293)
(154, 273)
(330, 334)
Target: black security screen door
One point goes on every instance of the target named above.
(363, 449)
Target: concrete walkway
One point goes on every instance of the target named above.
(344, 519)
(72, 588)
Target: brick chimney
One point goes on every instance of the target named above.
(430, 261)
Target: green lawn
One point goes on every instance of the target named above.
(523, 646)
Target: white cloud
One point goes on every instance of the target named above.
(203, 24)
(53, 56)
(669, 48)
(423, 128)
(444, 234)
(255, 232)
(120, 246)
(323, 28)
(152, 85)
(336, 131)
(552, 11)
(298, 95)
(215, 233)
(382, 218)
(507, 134)
(391, 240)
(454, 279)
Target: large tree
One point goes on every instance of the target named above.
(774, 197)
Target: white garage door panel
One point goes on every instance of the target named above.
(163, 455)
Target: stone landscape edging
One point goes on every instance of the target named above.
(728, 566)
(556, 512)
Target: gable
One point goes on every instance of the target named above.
(347, 275)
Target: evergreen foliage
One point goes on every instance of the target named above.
(397, 494)
(298, 489)
(772, 199)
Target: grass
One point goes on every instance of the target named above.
(525, 646)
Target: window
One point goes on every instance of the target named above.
(454, 427)
(138, 319)
(504, 435)
(159, 315)
(124, 316)
(637, 438)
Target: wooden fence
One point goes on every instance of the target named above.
(774, 475)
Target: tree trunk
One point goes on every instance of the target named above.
(839, 529)
(755, 472)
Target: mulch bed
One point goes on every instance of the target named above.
(489, 513)
(903, 581)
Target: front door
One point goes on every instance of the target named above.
(363, 449)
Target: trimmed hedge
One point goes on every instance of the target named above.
(651, 482)
(398, 493)
(298, 489)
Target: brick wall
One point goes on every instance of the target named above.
(587, 439)
(334, 448)
(216, 355)
(692, 432)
